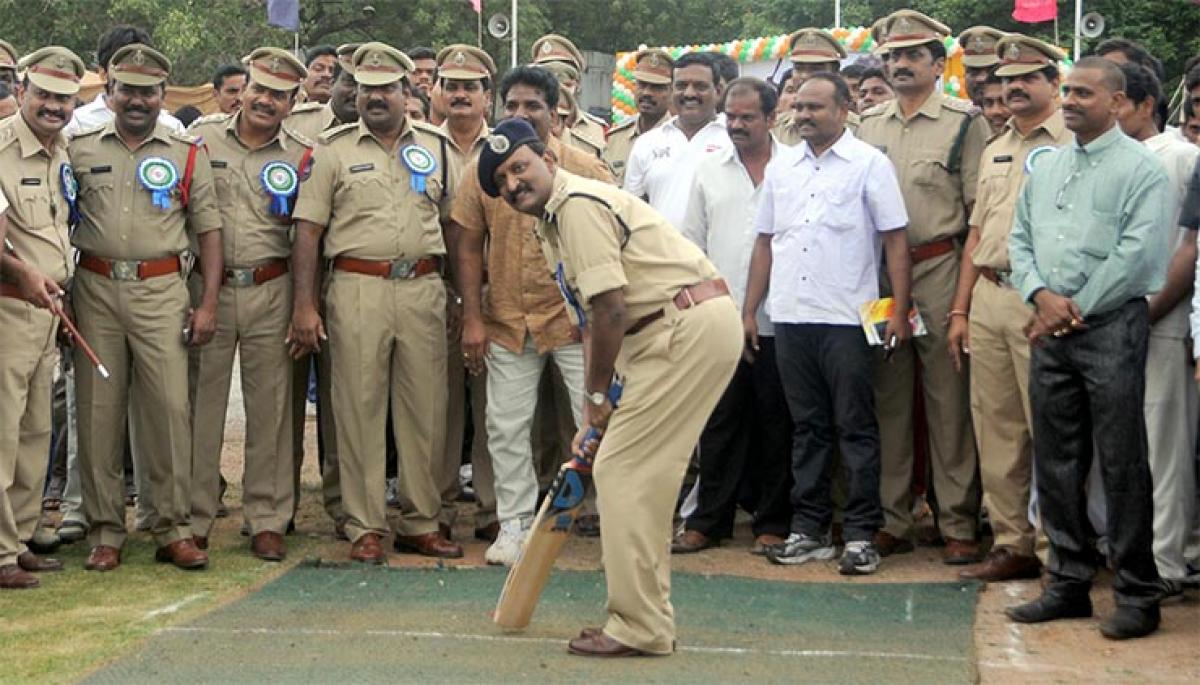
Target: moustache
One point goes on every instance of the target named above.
(646, 100)
(460, 101)
(693, 101)
(134, 109)
(901, 72)
(522, 187)
(44, 112)
(269, 111)
(381, 106)
(1017, 94)
(737, 132)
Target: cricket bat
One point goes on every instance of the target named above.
(527, 578)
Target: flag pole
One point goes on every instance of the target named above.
(837, 13)
(514, 33)
(1078, 21)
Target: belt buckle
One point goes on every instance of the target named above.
(239, 278)
(402, 269)
(122, 270)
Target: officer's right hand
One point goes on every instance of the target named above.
(37, 288)
(306, 332)
(474, 344)
(750, 333)
(958, 341)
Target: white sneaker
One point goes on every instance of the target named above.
(507, 548)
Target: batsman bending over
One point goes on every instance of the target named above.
(660, 317)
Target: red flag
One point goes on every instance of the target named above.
(1034, 11)
(478, 5)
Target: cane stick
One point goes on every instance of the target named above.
(57, 310)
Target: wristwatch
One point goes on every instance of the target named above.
(597, 398)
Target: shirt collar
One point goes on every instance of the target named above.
(161, 131)
(1053, 126)
(932, 107)
(840, 147)
(484, 132)
(558, 195)
(231, 129)
(30, 145)
(363, 131)
(729, 155)
(1102, 143)
(719, 121)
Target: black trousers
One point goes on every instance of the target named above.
(1086, 391)
(747, 438)
(827, 377)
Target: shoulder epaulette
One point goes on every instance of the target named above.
(426, 127)
(211, 119)
(873, 111)
(305, 107)
(184, 137)
(595, 119)
(628, 122)
(90, 131)
(959, 105)
(299, 138)
(7, 134)
(336, 131)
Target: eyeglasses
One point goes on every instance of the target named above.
(1061, 199)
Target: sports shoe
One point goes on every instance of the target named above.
(800, 548)
(393, 493)
(859, 559)
(507, 548)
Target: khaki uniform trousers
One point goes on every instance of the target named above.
(674, 371)
(135, 327)
(252, 322)
(953, 461)
(1171, 414)
(27, 360)
(387, 338)
(482, 476)
(1000, 408)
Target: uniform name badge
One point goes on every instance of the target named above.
(1036, 152)
(70, 192)
(160, 177)
(280, 180)
(420, 163)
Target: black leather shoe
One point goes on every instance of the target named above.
(1128, 621)
(1050, 608)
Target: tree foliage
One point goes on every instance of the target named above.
(199, 35)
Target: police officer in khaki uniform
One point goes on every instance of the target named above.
(813, 50)
(465, 78)
(658, 316)
(257, 164)
(989, 313)
(377, 193)
(139, 184)
(935, 143)
(36, 175)
(566, 62)
(310, 123)
(979, 58)
(568, 110)
(652, 74)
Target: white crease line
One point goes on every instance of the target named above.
(551, 641)
(173, 607)
(1044, 668)
(908, 607)
(1016, 648)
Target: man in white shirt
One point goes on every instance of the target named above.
(750, 429)
(825, 210)
(97, 112)
(1171, 403)
(663, 160)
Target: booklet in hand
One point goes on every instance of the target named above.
(874, 315)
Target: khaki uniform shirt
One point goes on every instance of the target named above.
(590, 129)
(611, 239)
(463, 157)
(787, 133)
(620, 143)
(362, 193)
(1001, 175)
(521, 295)
(252, 234)
(118, 218)
(311, 119)
(31, 179)
(919, 148)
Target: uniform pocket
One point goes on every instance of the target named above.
(35, 204)
(367, 191)
(931, 174)
(1100, 234)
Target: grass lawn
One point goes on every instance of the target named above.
(78, 620)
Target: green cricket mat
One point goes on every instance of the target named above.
(350, 624)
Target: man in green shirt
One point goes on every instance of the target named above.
(1090, 241)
